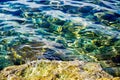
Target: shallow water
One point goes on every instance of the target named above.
(86, 30)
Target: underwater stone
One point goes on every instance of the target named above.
(70, 9)
(109, 17)
(2, 47)
(115, 71)
(56, 28)
(117, 46)
(85, 9)
(4, 62)
(116, 59)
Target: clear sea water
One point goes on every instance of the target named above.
(87, 30)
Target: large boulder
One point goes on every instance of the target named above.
(56, 70)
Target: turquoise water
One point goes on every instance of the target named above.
(87, 30)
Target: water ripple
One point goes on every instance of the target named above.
(59, 29)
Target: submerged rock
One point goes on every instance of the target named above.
(78, 37)
(4, 62)
(56, 70)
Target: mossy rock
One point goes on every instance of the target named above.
(55, 70)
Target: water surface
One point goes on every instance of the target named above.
(86, 30)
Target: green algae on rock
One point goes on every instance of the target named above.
(5, 62)
(55, 70)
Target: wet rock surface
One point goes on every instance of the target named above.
(56, 70)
